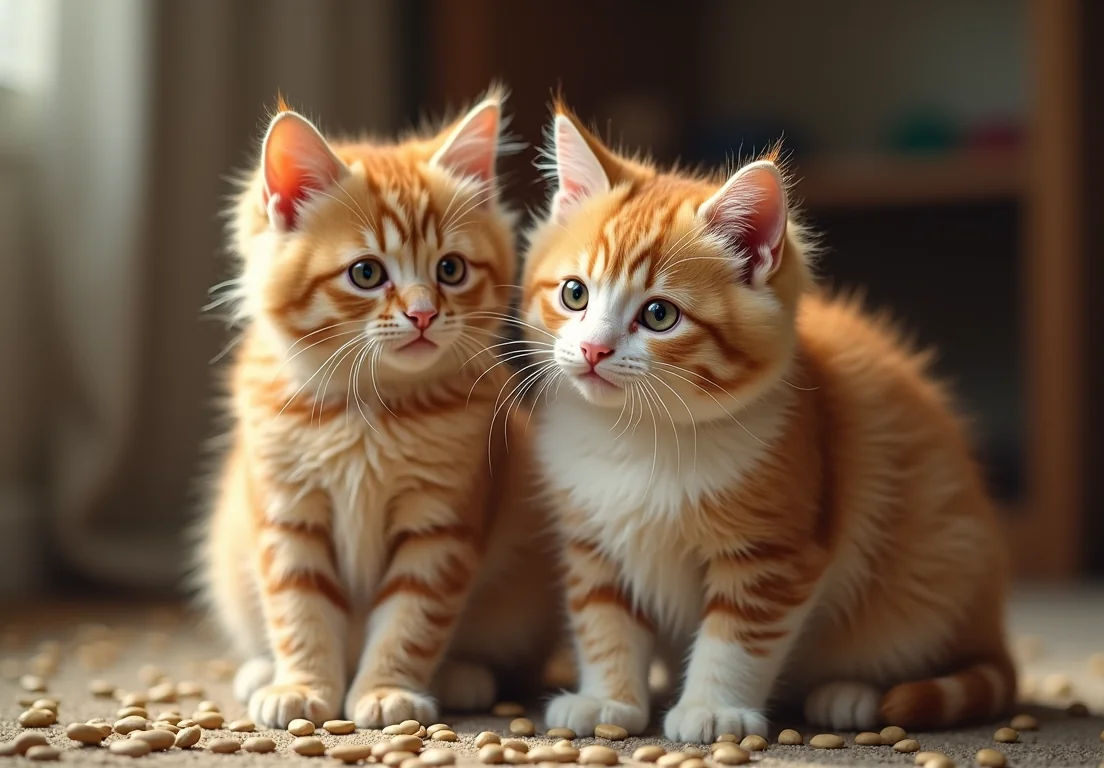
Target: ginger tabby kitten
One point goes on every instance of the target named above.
(355, 533)
(749, 477)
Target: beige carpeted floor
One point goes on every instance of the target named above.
(1069, 626)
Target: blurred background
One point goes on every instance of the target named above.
(944, 149)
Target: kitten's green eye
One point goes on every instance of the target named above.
(659, 315)
(452, 269)
(368, 274)
(574, 295)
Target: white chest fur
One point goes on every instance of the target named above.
(639, 489)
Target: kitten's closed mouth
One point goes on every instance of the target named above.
(598, 380)
(420, 344)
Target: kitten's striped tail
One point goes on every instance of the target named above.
(983, 691)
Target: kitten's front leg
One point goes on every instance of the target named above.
(305, 609)
(613, 644)
(756, 602)
(416, 608)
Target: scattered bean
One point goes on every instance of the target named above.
(186, 689)
(522, 726)
(37, 718)
(648, 754)
(990, 758)
(1006, 736)
(350, 753)
(405, 728)
(25, 741)
(869, 739)
(104, 727)
(130, 747)
(158, 740)
(515, 757)
(907, 746)
(485, 738)
(409, 743)
(444, 735)
(208, 720)
(492, 754)
(730, 754)
(224, 746)
(134, 700)
(300, 727)
(790, 737)
(188, 737)
(170, 716)
(421, 732)
(517, 744)
(339, 727)
(437, 727)
(597, 754)
(131, 723)
(727, 737)
(754, 743)
(187, 723)
(208, 706)
(101, 689)
(308, 746)
(1024, 723)
(163, 725)
(243, 726)
(940, 761)
(826, 741)
(50, 704)
(891, 734)
(566, 752)
(1076, 709)
(508, 709)
(694, 752)
(672, 759)
(163, 692)
(259, 744)
(611, 732)
(561, 733)
(397, 758)
(132, 712)
(86, 734)
(923, 757)
(694, 762)
(438, 757)
(43, 753)
(543, 753)
(33, 683)
(411, 762)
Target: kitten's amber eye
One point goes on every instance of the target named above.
(451, 269)
(659, 315)
(368, 274)
(574, 295)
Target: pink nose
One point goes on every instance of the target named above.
(421, 317)
(595, 353)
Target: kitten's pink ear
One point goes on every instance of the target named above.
(749, 214)
(296, 161)
(471, 148)
(578, 170)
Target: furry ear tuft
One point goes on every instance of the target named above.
(296, 161)
(750, 213)
(471, 147)
(579, 172)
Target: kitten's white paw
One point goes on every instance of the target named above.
(387, 705)
(702, 724)
(581, 713)
(846, 706)
(252, 675)
(463, 686)
(276, 705)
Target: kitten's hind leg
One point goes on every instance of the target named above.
(844, 706)
(464, 686)
(253, 674)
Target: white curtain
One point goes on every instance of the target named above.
(140, 111)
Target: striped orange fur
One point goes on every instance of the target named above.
(357, 551)
(746, 469)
